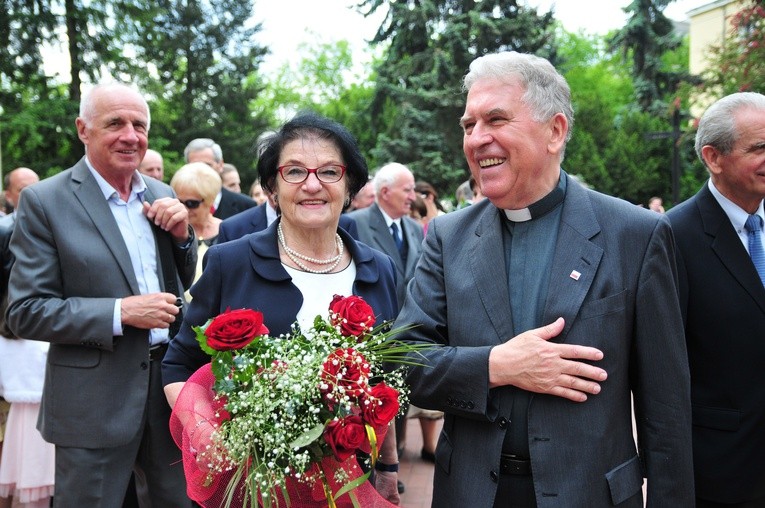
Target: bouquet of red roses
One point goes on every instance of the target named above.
(286, 416)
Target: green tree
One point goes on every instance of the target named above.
(326, 81)
(645, 39)
(601, 88)
(199, 67)
(32, 111)
(738, 64)
(430, 44)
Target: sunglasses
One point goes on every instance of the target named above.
(191, 204)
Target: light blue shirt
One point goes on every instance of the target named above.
(736, 214)
(139, 239)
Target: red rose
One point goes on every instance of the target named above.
(234, 329)
(352, 314)
(380, 405)
(345, 372)
(345, 436)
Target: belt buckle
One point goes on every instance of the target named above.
(157, 352)
(514, 465)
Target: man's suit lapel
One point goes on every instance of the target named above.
(727, 246)
(87, 192)
(487, 266)
(576, 258)
(414, 244)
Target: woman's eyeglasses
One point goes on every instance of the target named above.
(293, 173)
(191, 204)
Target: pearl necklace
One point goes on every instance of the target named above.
(295, 256)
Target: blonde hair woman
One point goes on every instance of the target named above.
(196, 184)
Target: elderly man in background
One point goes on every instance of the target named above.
(227, 203)
(152, 165)
(386, 225)
(364, 198)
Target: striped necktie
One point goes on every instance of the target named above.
(754, 227)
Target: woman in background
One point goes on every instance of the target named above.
(196, 184)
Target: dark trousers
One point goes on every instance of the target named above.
(100, 477)
(755, 503)
(515, 491)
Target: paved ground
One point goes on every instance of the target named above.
(416, 474)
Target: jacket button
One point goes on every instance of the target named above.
(503, 423)
(144, 365)
(494, 476)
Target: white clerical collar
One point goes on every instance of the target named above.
(541, 207)
(521, 215)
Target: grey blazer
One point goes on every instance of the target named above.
(71, 264)
(374, 232)
(623, 301)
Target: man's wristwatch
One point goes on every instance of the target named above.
(386, 468)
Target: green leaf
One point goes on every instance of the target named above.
(308, 437)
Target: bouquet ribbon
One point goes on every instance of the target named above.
(193, 421)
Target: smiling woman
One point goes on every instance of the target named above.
(291, 271)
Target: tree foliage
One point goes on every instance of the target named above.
(738, 64)
(199, 62)
(646, 37)
(196, 60)
(326, 81)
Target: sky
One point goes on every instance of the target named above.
(288, 23)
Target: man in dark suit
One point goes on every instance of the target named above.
(259, 218)
(227, 203)
(723, 303)
(394, 194)
(549, 308)
(14, 182)
(102, 254)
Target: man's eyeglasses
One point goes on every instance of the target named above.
(191, 204)
(292, 173)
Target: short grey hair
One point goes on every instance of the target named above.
(387, 175)
(199, 144)
(547, 92)
(717, 127)
(87, 102)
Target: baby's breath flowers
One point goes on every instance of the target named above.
(294, 408)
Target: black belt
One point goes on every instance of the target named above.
(157, 352)
(512, 465)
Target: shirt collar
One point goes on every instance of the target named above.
(541, 207)
(735, 213)
(139, 186)
(388, 220)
